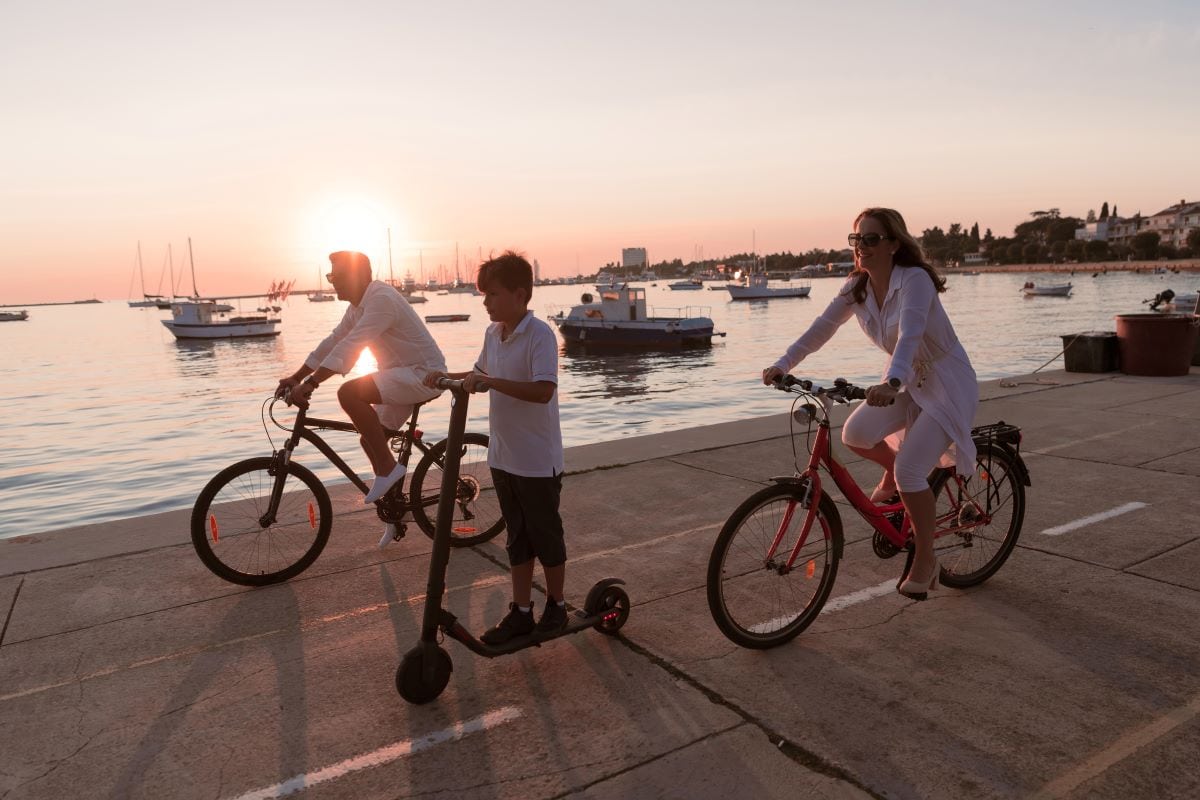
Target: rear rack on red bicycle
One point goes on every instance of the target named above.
(997, 432)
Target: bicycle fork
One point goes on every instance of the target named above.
(809, 500)
(279, 469)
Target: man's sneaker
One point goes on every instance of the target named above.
(517, 623)
(554, 618)
(384, 482)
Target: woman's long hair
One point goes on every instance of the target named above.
(909, 254)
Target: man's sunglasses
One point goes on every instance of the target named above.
(866, 239)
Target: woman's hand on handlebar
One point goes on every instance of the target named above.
(881, 395)
(771, 374)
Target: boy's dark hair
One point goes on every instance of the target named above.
(510, 270)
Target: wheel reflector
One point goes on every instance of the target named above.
(811, 570)
(465, 529)
(213, 528)
(312, 515)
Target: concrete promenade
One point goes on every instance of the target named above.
(127, 670)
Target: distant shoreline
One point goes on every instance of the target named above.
(1184, 265)
(59, 303)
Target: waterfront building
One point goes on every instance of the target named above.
(634, 257)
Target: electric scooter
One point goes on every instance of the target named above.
(425, 670)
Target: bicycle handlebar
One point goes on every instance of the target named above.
(841, 389)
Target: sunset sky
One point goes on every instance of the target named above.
(272, 133)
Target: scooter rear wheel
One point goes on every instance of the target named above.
(410, 675)
(612, 605)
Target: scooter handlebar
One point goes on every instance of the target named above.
(456, 385)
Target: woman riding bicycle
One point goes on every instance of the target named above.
(926, 402)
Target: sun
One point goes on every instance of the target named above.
(353, 223)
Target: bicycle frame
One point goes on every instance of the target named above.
(305, 428)
(879, 517)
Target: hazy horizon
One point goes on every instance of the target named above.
(275, 133)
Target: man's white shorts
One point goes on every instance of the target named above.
(401, 389)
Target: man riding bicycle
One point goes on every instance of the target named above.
(379, 318)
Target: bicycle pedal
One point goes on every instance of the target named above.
(392, 532)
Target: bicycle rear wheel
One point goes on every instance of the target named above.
(979, 518)
(237, 542)
(477, 516)
(756, 601)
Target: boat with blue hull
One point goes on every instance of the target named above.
(619, 319)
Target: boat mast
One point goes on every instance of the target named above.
(171, 266)
(195, 291)
(391, 275)
(141, 273)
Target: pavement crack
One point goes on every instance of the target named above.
(802, 756)
(11, 607)
(644, 762)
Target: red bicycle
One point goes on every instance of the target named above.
(775, 561)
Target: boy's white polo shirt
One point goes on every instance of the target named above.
(525, 437)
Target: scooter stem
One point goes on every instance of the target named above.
(445, 513)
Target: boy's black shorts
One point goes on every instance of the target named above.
(530, 509)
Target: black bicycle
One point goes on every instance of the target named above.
(265, 520)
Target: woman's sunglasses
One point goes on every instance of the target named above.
(866, 239)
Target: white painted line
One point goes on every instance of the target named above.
(861, 596)
(647, 543)
(328, 619)
(836, 604)
(1058, 530)
(1105, 435)
(384, 755)
(1119, 750)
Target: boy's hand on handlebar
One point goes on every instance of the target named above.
(771, 374)
(881, 395)
(431, 378)
(474, 382)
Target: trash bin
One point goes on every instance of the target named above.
(1090, 351)
(1156, 344)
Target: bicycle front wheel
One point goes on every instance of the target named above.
(756, 599)
(477, 516)
(238, 541)
(979, 518)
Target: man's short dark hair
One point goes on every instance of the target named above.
(509, 269)
(352, 263)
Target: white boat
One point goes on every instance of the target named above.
(14, 316)
(685, 286)
(758, 288)
(413, 299)
(619, 319)
(200, 319)
(447, 317)
(1030, 289)
(320, 295)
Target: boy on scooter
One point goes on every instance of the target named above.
(519, 365)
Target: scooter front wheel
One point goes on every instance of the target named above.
(418, 685)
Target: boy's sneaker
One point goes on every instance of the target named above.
(517, 623)
(554, 618)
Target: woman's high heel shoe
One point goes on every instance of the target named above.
(919, 590)
(885, 494)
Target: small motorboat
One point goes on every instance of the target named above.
(1030, 289)
(202, 319)
(1167, 300)
(686, 286)
(620, 320)
(14, 316)
(447, 317)
(758, 288)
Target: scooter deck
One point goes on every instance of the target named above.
(576, 621)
